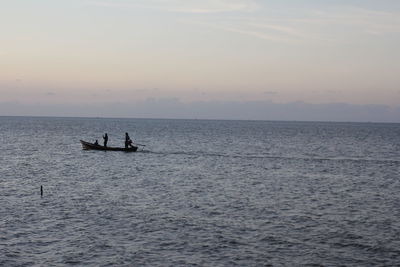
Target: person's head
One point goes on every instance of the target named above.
(126, 133)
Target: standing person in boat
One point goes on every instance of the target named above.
(128, 141)
(105, 137)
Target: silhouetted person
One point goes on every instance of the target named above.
(105, 137)
(96, 143)
(128, 141)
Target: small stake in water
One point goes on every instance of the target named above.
(41, 190)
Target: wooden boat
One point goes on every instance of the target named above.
(87, 146)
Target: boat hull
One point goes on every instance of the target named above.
(90, 146)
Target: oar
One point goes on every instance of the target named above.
(139, 144)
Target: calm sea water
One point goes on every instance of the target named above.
(205, 193)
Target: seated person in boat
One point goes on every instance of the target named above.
(96, 143)
(128, 141)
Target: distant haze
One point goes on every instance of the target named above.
(173, 108)
(234, 59)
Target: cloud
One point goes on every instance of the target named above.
(260, 34)
(213, 6)
(332, 91)
(284, 25)
(356, 21)
(270, 92)
(368, 21)
(258, 28)
(301, 25)
(184, 6)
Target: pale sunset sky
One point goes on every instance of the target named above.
(95, 52)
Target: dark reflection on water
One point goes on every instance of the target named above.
(214, 193)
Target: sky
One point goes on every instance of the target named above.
(57, 55)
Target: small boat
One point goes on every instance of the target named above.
(87, 146)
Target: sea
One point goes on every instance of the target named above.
(199, 193)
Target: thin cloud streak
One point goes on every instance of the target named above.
(185, 6)
(260, 35)
(262, 29)
(300, 25)
(292, 29)
(371, 21)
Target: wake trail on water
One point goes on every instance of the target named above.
(312, 159)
